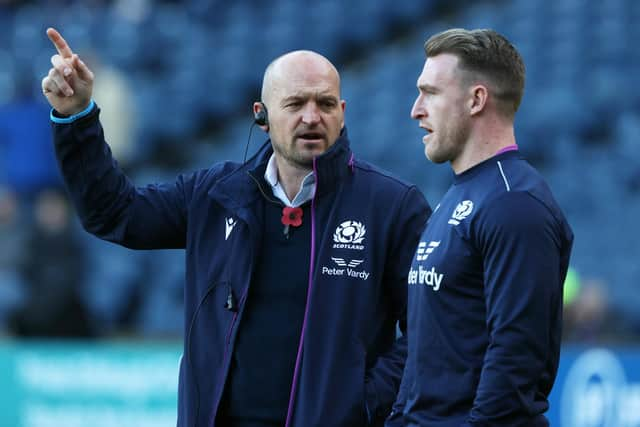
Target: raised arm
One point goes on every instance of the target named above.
(107, 202)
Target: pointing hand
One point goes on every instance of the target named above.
(69, 84)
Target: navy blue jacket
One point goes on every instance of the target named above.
(365, 228)
(485, 302)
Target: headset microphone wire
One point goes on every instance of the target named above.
(246, 149)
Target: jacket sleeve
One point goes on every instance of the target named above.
(108, 204)
(396, 418)
(522, 246)
(383, 379)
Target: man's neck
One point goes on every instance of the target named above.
(290, 176)
(479, 149)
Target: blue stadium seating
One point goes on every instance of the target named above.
(196, 66)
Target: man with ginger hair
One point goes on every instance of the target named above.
(485, 285)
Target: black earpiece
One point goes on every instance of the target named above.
(260, 117)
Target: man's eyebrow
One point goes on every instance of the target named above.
(294, 97)
(304, 96)
(298, 95)
(427, 87)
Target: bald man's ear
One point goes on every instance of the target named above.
(343, 105)
(478, 100)
(260, 115)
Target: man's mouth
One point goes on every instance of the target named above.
(311, 136)
(429, 131)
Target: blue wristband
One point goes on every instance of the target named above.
(74, 117)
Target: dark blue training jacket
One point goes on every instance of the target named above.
(365, 228)
(485, 302)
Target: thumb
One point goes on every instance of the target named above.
(84, 72)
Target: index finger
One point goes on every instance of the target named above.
(60, 43)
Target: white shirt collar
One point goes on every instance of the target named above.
(305, 193)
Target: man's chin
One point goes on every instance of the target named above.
(304, 160)
(303, 155)
(310, 151)
(434, 157)
(315, 147)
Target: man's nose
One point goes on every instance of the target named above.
(311, 113)
(418, 110)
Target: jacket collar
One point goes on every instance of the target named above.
(334, 165)
(239, 188)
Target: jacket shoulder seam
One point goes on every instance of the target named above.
(385, 174)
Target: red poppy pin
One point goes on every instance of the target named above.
(291, 217)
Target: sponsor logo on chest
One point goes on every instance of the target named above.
(348, 235)
(422, 275)
(461, 211)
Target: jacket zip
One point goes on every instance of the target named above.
(225, 357)
(225, 368)
(296, 372)
(240, 303)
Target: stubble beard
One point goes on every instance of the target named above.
(450, 145)
(295, 158)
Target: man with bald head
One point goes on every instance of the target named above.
(296, 260)
(298, 133)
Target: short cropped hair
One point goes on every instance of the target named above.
(488, 55)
